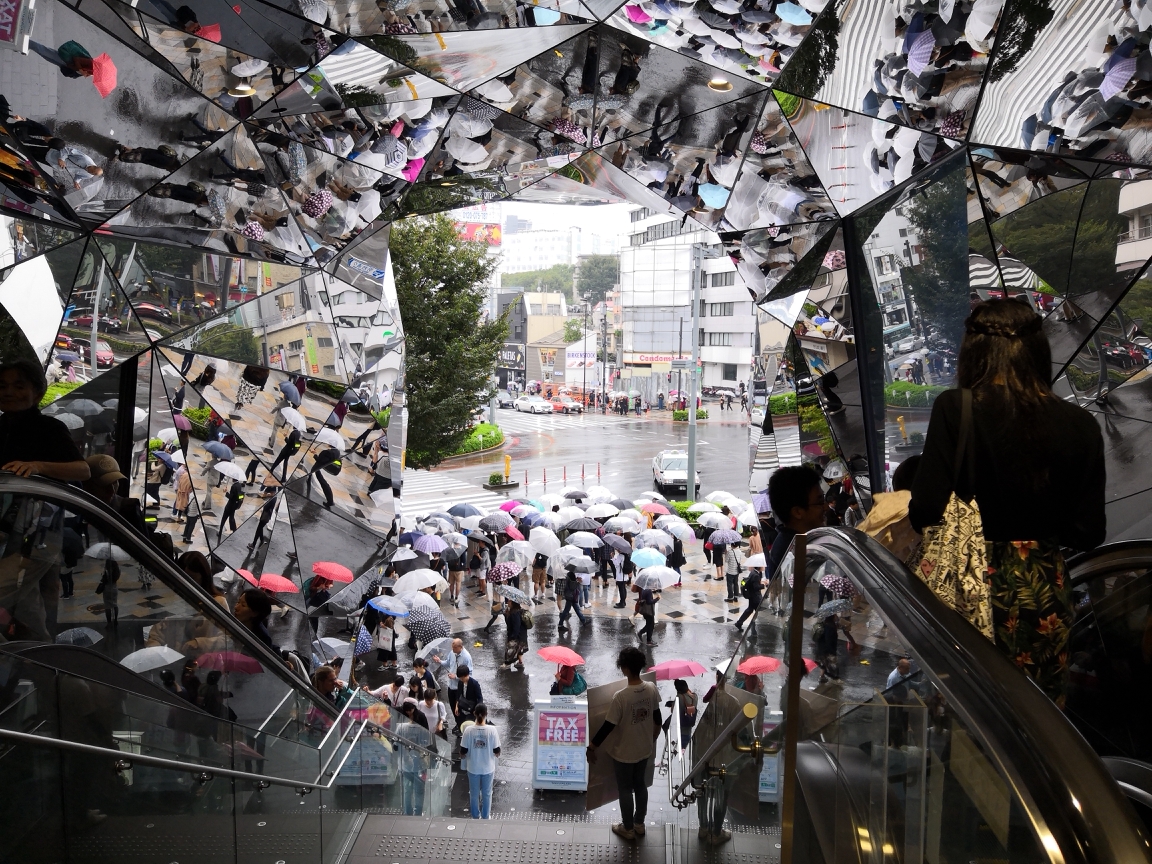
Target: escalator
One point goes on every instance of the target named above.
(171, 731)
(963, 759)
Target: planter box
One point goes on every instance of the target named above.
(500, 487)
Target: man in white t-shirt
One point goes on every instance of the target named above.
(631, 729)
(481, 745)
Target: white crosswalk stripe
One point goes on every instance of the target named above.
(785, 453)
(519, 423)
(425, 491)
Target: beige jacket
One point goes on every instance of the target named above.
(888, 523)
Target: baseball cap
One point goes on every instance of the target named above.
(105, 470)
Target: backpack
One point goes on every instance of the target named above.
(526, 618)
(571, 588)
(746, 588)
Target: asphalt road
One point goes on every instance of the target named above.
(622, 447)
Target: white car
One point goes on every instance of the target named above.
(670, 472)
(533, 405)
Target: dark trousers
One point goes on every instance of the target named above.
(622, 587)
(189, 526)
(66, 583)
(325, 488)
(749, 610)
(631, 791)
(250, 473)
(281, 459)
(649, 628)
(453, 698)
(733, 580)
(258, 540)
(569, 605)
(229, 517)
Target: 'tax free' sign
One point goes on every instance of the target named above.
(563, 727)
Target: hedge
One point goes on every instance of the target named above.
(492, 437)
(55, 391)
(904, 394)
(701, 414)
(198, 417)
(782, 403)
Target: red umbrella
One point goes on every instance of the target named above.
(229, 661)
(211, 32)
(181, 422)
(513, 532)
(560, 654)
(277, 584)
(758, 664)
(670, 670)
(104, 74)
(810, 664)
(332, 570)
(653, 507)
(247, 574)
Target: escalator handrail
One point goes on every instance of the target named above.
(1125, 554)
(80, 503)
(1077, 810)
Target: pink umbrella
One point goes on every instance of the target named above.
(229, 661)
(332, 570)
(636, 15)
(653, 507)
(211, 32)
(509, 506)
(248, 577)
(513, 532)
(277, 584)
(181, 422)
(504, 571)
(670, 670)
(412, 170)
(758, 664)
(104, 75)
(561, 654)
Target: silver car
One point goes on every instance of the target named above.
(533, 405)
(670, 472)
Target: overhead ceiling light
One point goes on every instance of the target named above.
(723, 85)
(245, 89)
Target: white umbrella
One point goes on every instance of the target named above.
(653, 577)
(436, 650)
(412, 599)
(168, 435)
(680, 530)
(404, 554)
(139, 415)
(756, 560)
(177, 456)
(294, 418)
(654, 539)
(585, 540)
(544, 541)
(634, 515)
(384, 498)
(600, 492)
(465, 150)
(332, 438)
(569, 514)
(619, 523)
(749, 518)
(519, 551)
(714, 520)
(551, 499)
(719, 496)
(521, 511)
(153, 657)
(104, 551)
(650, 496)
(601, 511)
(553, 520)
(669, 518)
(417, 579)
(230, 469)
(703, 507)
(331, 647)
(248, 68)
(470, 523)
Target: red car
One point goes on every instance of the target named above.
(107, 323)
(566, 404)
(104, 356)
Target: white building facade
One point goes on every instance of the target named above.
(523, 251)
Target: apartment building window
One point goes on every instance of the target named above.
(701, 341)
(296, 345)
(721, 310)
(329, 370)
(534, 308)
(703, 309)
(324, 342)
(1145, 224)
(553, 308)
(884, 264)
(903, 232)
(728, 371)
(641, 214)
(719, 339)
(722, 279)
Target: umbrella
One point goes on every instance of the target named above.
(619, 523)
(153, 657)
(408, 538)
(680, 530)
(413, 599)
(670, 670)
(718, 497)
(580, 563)
(633, 514)
(82, 636)
(513, 594)
(479, 536)
(331, 647)
(1117, 77)
(229, 661)
(756, 560)
(654, 539)
(513, 532)
(648, 558)
(67, 356)
(653, 507)
(656, 577)
(103, 75)
(437, 649)
(332, 570)
(601, 511)
(839, 585)
(104, 551)
(418, 579)
(725, 537)
(561, 654)
(749, 518)
(230, 469)
(139, 415)
(432, 524)
(165, 458)
(521, 510)
(247, 576)
(534, 518)
(429, 543)
(211, 32)
(520, 552)
(758, 664)
(456, 541)
(469, 523)
(714, 520)
(585, 540)
(178, 457)
(651, 496)
(495, 522)
(570, 513)
(465, 509)
(704, 507)
(393, 606)
(291, 394)
(600, 492)
(582, 524)
(219, 450)
(70, 420)
(427, 625)
(920, 52)
(403, 554)
(833, 607)
(332, 438)
(575, 494)
(167, 435)
(181, 422)
(83, 407)
(509, 506)
(761, 503)
(503, 571)
(551, 499)
(544, 541)
(293, 418)
(618, 543)
(277, 584)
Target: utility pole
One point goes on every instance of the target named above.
(679, 357)
(699, 252)
(583, 362)
(604, 362)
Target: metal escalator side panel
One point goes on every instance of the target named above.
(1075, 810)
(823, 790)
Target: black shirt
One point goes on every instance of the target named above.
(1037, 480)
(29, 436)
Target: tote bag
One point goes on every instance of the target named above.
(954, 555)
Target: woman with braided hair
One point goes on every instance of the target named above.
(1035, 465)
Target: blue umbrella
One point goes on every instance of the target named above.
(67, 357)
(793, 14)
(290, 393)
(393, 606)
(408, 538)
(713, 194)
(219, 450)
(165, 458)
(463, 510)
(648, 558)
(532, 519)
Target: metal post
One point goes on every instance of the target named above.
(125, 414)
(584, 365)
(679, 360)
(604, 362)
(492, 401)
(796, 673)
(93, 363)
(693, 383)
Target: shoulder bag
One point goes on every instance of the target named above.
(954, 557)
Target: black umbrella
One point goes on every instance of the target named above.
(584, 524)
(465, 509)
(427, 624)
(496, 521)
(408, 565)
(576, 494)
(618, 543)
(622, 504)
(481, 537)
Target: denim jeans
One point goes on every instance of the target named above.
(480, 785)
(631, 790)
(569, 606)
(585, 593)
(413, 794)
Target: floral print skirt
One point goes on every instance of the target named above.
(1032, 610)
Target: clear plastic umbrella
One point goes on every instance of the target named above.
(229, 469)
(153, 657)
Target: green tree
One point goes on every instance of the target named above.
(441, 283)
(814, 60)
(597, 276)
(1017, 33)
(228, 341)
(573, 330)
(557, 279)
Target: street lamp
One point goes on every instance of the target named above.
(700, 251)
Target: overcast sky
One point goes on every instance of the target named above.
(607, 220)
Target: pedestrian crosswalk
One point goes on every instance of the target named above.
(517, 423)
(425, 491)
(768, 458)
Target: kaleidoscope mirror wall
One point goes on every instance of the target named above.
(196, 204)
